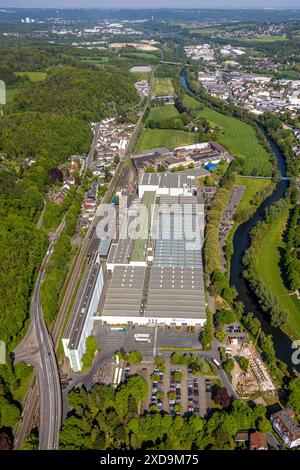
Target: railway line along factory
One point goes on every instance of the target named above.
(153, 279)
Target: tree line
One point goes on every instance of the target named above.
(292, 250)
(266, 299)
(107, 418)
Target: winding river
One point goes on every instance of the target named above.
(241, 241)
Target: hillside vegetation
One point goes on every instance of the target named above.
(85, 93)
(48, 121)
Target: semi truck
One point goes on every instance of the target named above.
(142, 338)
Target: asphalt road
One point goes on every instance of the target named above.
(37, 349)
(111, 341)
(272, 441)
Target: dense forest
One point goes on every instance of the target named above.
(36, 135)
(86, 94)
(27, 58)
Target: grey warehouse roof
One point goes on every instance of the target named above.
(166, 180)
(168, 292)
(173, 246)
(176, 292)
(125, 291)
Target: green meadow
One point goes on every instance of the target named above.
(240, 140)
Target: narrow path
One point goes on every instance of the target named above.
(40, 221)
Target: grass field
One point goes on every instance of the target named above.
(11, 93)
(241, 141)
(253, 186)
(138, 76)
(207, 31)
(154, 138)
(141, 55)
(34, 77)
(96, 60)
(190, 102)
(163, 86)
(268, 262)
(158, 113)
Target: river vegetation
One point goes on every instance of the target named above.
(284, 138)
(264, 269)
(211, 249)
(292, 250)
(256, 191)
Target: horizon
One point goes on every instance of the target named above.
(155, 5)
(144, 8)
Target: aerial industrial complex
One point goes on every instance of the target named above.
(154, 278)
(201, 154)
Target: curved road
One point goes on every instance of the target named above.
(37, 349)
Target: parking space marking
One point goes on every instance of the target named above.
(155, 342)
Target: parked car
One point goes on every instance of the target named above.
(208, 385)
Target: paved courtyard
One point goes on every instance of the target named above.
(111, 341)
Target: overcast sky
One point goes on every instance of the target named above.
(152, 3)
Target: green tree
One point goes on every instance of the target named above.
(225, 317)
(32, 441)
(91, 348)
(177, 408)
(160, 363)
(177, 376)
(264, 424)
(10, 414)
(228, 366)
(244, 363)
(208, 331)
(221, 335)
(134, 357)
(294, 395)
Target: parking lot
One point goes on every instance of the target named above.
(174, 389)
